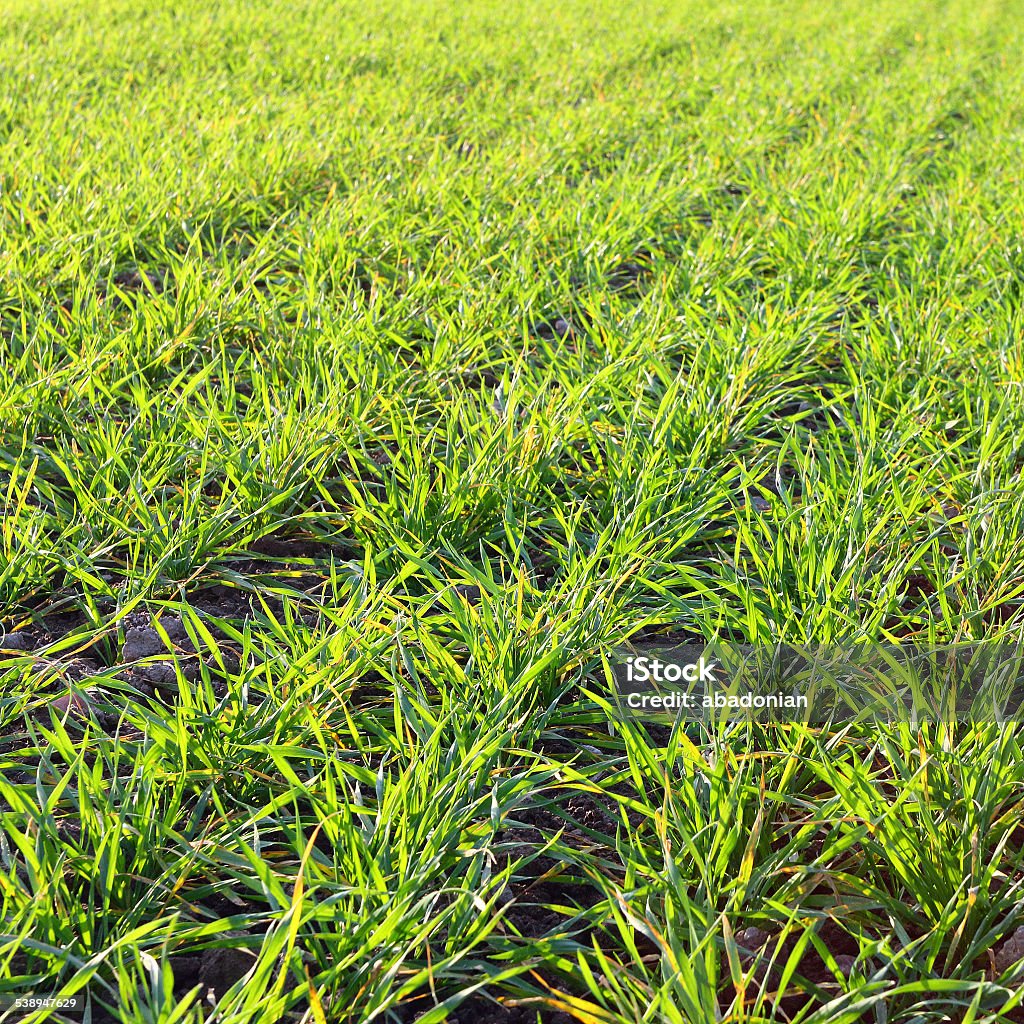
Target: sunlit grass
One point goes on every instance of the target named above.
(369, 372)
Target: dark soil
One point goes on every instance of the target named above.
(214, 971)
(479, 1010)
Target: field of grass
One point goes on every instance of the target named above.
(370, 372)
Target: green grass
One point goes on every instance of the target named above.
(399, 361)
